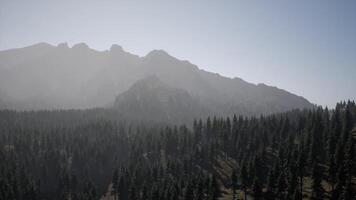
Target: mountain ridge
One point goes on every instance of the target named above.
(44, 76)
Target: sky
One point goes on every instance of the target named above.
(307, 47)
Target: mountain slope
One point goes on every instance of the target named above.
(44, 76)
(151, 99)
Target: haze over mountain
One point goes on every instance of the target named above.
(43, 76)
(151, 97)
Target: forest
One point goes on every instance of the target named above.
(94, 154)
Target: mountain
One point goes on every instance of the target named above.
(151, 99)
(45, 76)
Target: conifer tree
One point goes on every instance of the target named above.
(115, 184)
(281, 185)
(234, 184)
(244, 179)
(257, 189)
(318, 191)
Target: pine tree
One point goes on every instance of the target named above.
(133, 193)
(281, 185)
(244, 180)
(31, 192)
(271, 186)
(155, 194)
(348, 193)
(349, 158)
(189, 192)
(301, 167)
(234, 183)
(200, 190)
(296, 195)
(90, 191)
(332, 172)
(257, 189)
(214, 189)
(317, 189)
(122, 188)
(115, 184)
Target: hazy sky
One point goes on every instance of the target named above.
(307, 47)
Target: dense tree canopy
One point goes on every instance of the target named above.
(83, 155)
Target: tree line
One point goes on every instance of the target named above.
(83, 155)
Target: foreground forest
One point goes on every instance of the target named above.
(92, 154)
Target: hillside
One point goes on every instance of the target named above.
(151, 99)
(86, 154)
